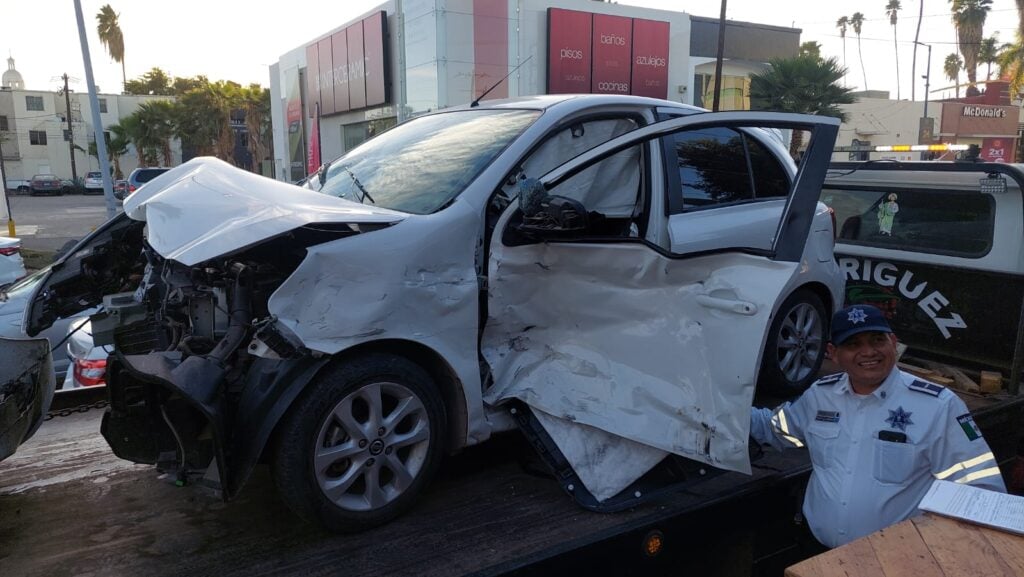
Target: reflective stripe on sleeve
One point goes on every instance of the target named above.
(990, 472)
(964, 465)
(779, 423)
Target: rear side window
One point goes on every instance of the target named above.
(148, 175)
(719, 166)
(941, 222)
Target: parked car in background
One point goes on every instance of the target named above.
(624, 268)
(120, 189)
(94, 182)
(12, 266)
(13, 301)
(46, 184)
(141, 176)
(88, 362)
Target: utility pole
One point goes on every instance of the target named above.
(718, 59)
(71, 131)
(97, 122)
(926, 120)
(3, 189)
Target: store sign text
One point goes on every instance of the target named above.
(983, 112)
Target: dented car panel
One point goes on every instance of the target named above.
(26, 390)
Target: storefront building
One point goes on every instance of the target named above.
(410, 57)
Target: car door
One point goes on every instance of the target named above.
(624, 348)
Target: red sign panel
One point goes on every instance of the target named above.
(374, 55)
(997, 149)
(349, 69)
(326, 76)
(613, 41)
(356, 67)
(650, 58)
(339, 48)
(490, 47)
(568, 51)
(312, 79)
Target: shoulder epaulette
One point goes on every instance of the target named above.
(926, 387)
(829, 379)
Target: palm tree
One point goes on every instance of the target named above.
(111, 37)
(969, 19)
(150, 129)
(117, 146)
(841, 24)
(857, 22)
(913, 64)
(988, 54)
(952, 67)
(804, 84)
(1011, 65)
(892, 9)
(811, 48)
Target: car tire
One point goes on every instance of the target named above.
(331, 449)
(795, 347)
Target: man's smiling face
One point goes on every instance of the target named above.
(867, 358)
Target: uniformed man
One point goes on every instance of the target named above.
(877, 436)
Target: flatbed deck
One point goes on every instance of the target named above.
(68, 506)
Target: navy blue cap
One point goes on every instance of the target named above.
(857, 319)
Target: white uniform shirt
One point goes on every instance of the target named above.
(860, 483)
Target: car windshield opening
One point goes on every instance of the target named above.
(420, 166)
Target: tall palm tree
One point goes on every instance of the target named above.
(111, 37)
(804, 84)
(151, 128)
(917, 37)
(969, 19)
(952, 67)
(988, 54)
(842, 24)
(892, 9)
(857, 22)
(1011, 65)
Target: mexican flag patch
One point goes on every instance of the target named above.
(970, 428)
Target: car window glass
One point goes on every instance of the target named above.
(712, 167)
(770, 178)
(420, 166)
(941, 222)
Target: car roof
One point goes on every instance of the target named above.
(570, 101)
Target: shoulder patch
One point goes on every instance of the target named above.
(925, 387)
(830, 379)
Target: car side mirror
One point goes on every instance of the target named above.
(548, 216)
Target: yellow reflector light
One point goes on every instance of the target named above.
(653, 543)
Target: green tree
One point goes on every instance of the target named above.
(857, 23)
(969, 20)
(810, 48)
(154, 82)
(1011, 65)
(112, 38)
(892, 10)
(802, 84)
(988, 54)
(150, 129)
(842, 24)
(952, 67)
(255, 104)
(117, 146)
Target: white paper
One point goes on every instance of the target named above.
(998, 510)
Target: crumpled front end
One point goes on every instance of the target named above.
(26, 390)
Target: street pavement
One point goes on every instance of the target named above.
(47, 222)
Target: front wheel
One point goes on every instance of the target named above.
(795, 347)
(359, 446)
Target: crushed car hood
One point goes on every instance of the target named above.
(207, 208)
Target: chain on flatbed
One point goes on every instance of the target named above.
(67, 411)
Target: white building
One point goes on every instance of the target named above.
(408, 57)
(33, 127)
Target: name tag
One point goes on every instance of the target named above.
(827, 416)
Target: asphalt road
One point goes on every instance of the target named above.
(47, 222)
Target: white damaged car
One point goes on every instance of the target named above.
(617, 273)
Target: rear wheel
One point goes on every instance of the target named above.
(796, 345)
(360, 444)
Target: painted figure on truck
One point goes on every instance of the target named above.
(877, 436)
(886, 214)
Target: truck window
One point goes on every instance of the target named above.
(950, 223)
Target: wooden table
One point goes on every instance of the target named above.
(921, 547)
